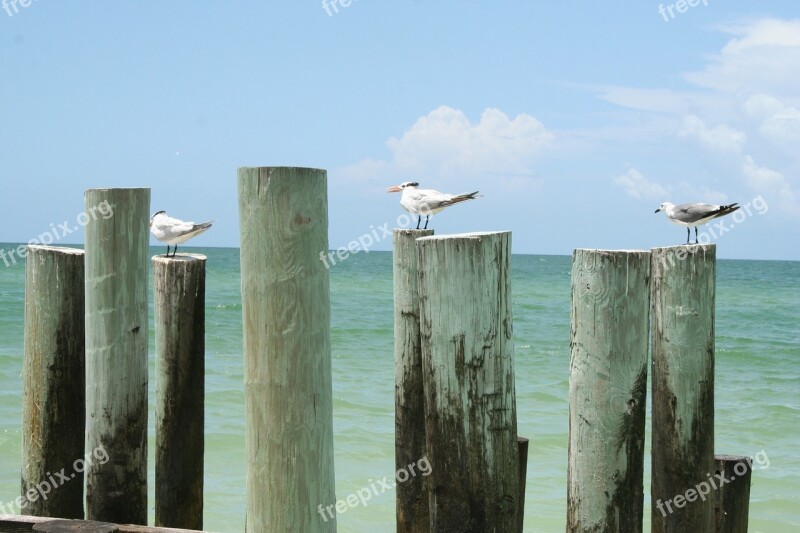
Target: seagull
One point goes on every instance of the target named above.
(427, 201)
(689, 215)
(173, 231)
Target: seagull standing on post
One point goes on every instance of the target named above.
(689, 215)
(173, 231)
(427, 201)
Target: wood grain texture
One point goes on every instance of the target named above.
(607, 390)
(683, 285)
(116, 354)
(286, 313)
(467, 358)
(179, 284)
(54, 406)
(732, 499)
(409, 398)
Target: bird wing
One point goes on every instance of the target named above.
(689, 213)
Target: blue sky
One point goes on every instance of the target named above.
(574, 120)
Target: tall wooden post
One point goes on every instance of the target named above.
(607, 390)
(409, 396)
(116, 354)
(286, 313)
(682, 300)
(467, 358)
(731, 499)
(179, 284)
(54, 405)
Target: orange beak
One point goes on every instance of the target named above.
(394, 188)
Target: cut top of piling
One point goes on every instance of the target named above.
(59, 249)
(180, 258)
(469, 235)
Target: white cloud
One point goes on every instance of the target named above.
(778, 122)
(763, 57)
(446, 144)
(636, 185)
(721, 138)
(771, 184)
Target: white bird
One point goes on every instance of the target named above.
(427, 201)
(173, 231)
(688, 215)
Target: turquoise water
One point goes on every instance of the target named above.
(757, 385)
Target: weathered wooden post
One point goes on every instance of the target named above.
(731, 499)
(286, 313)
(683, 284)
(409, 396)
(607, 390)
(467, 365)
(116, 354)
(179, 284)
(522, 446)
(54, 406)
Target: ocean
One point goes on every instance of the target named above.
(757, 391)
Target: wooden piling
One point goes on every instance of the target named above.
(732, 499)
(683, 284)
(467, 359)
(116, 354)
(409, 396)
(286, 313)
(54, 407)
(607, 390)
(179, 308)
(522, 446)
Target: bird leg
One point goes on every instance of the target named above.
(695, 235)
(426, 221)
(688, 234)
(419, 219)
(175, 250)
(167, 251)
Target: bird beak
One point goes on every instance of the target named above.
(394, 188)
(657, 210)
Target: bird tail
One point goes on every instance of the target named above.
(727, 209)
(464, 197)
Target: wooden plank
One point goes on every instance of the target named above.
(731, 499)
(54, 406)
(286, 313)
(409, 400)
(607, 390)
(179, 284)
(683, 285)
(24, 524)
(467, 357)
(116, 354)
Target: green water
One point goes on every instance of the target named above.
(757, 385)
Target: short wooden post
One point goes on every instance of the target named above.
(522, 446)
(409, 396)
(54, 406)
(467, 364)
(286, 313)
(732, 499)
(683, 284)
(179, 286)
(116, 354)
(607, 390)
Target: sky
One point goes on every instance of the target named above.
(575, 121)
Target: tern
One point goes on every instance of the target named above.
(689, 215)
(173, 231)
(427, 201)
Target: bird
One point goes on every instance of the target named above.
(427, 201)
(689, 215)
(173, 231)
